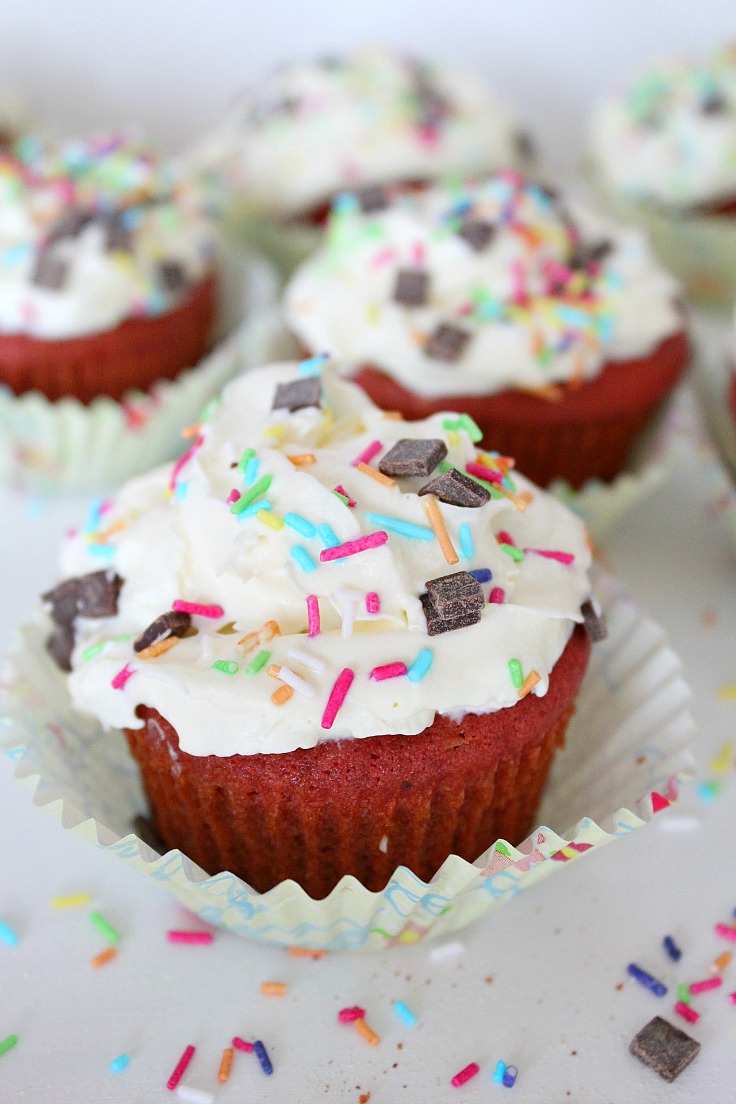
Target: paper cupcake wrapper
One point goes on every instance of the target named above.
(625, 755)
(56, 446)
(700, 249)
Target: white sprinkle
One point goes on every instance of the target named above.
(348, 619)
(310, 662)
(349, 594)
(296, 683)
(678, 823)
(195, 1096)
(446, 950)
(383, 845)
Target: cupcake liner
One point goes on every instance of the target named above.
(63, 445)
(625, 756)
(286, 244)
(700, 249)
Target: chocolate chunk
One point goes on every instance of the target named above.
(457, 489)
(172, 623)
(525, 145)
(298, 394)
(447, 342)
(591, 253)
(714, 104)
(117, 236)
(595, 625)
(60, 646)
(50, 271)
(452, 602)
(411, 287)
(665, 1048)
(69, 225)
(94, 595)
(477, 233)
(431, 106)
(173, 276)
(372, 198)
(413, 456)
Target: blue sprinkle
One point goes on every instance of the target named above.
(7, 934)
(482, 574)
(296, 521)
(104, 551)
(404, 528)
(302, 557)
(509, 1077)
(671, 948)
(94, 513)
(261, 1054)
(120, 1063)
(571, 316)
(420, 666)
(490, 310)
(16, 253)
(327, 535)
(647, 980)
(251, 471)
(498, 1073)
(345, 203)
(606, 327)
(181, 492)
(467, 548)
(405, 1013)
(252, 510)
(312, 366)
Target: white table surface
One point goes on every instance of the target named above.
(541, 984)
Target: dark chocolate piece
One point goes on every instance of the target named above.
(372, 198)
(447, 342)
(457, 489)
(714, 104)
(60, 646)
(590, 253)
(665, 1048)
(477, 233)
(117, 236)
(431, 106)
(298, 394)
(173, 276)
(50, 271)
(69, 225)
(411, 287)
(595, 625)
(172, 623)
(525, 145)
(413, 456)
(452, 602)
(94, 595)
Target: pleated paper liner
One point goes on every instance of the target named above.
(56, 446)
(626, 753)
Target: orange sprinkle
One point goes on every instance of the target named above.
(273, 670)
(248, 642)
(374, 473)
(282, 695)
(305, 952)
(191, 430)
(268, 630)
(720, 963)
(158, 648)
(550, 391)
(526, 496)
(529, 683)
(363, 1029)
(303, 459)
(393, 415)
(225, 1064)
(274, 988)
(519, 502)
(577, 377)
(439, 528)
(116, 527)
(104, 957)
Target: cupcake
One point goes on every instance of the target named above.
(107, 269)
(333, 648)
(556, 331)
(663, 153)
(368, 121)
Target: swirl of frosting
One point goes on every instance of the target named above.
(474, 289)
(313, 129)
(670, 136)
(94, 232)
(326, 598)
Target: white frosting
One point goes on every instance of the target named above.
(670, 136)
(526, 329)
(313, 129)
(99, 286)
(190, 546)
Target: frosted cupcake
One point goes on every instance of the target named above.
(557, 331)
(368, 121)
(338, 643)
(107, 269)
(663, 152)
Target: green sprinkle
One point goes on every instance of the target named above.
(251, 494)
(95, 649)
(258, 663)
(683, 993)
(471, 428)
(227, 666)
(248, 454)
(516, 554)
(445, 465)
(7, 1044)
(105, 928)
(210, 409)
(342, 497)
(516, 672)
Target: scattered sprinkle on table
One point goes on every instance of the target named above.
(103, 957)
(646, 980)
(274, 988)
(465, 1075)
(194, 1096)
(226, 1063)
(200, 937)
(104, 927)
(7, 935)
(71, 900)
(262, 1055)
(671, 948)
(7, 1044)
(120, 1063)
(241, 1044)
(181, 1067)
(405, 1013)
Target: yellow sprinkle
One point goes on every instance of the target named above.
(103, 957)
(73, 900)
(225, 1064)
(274, 988)
(363, 1029)
(727, 692)
(273, 521)
(158, 648)
(303, 459)
(374, 473)
(529, 683)
(282, 695)
(277, 431)
(453, 438)
(723, 762)
(373, 313)
(439, 528)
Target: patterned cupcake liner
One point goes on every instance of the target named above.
(57, 446)
(627, 750)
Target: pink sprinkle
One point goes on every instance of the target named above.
(184, 459)
(483, 472)
(558, 272)
(465, 1075)
(240, 1044)
(387, 671)
(383, 257)
(518, 290)
(367, 454)
(189, 937)
(418, 254)
(233, 496)
(351, 548)
(343, 683)
(341, 490)
(198, 608)
(497, 596)
(349, 1015)
(122, 677)
(506, 538)
(561, 557)
(313, 615)
(180, 1068)
(726, 932)
(704, 986)
(372, 603)
(687, 1012)
(732, 998)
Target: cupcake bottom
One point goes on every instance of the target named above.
(583, 434)
(132, 356)
(361, 807)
